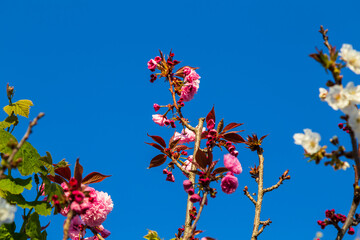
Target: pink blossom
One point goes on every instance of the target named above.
(157, 59)
(42, 189)
(187, 70)
(232, 163)
(170, 177)
(103, 232)
(195, 198)
(78, 196)
(190, 191)
(185, 136)
(187, 184)
(152, 65)
(159, 119)
(101, 206)
(188, 92)
(75, 228)
(229, 183)
(156, 107)
(187, 164)
(192, 77)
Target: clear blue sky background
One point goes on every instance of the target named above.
(83, 63)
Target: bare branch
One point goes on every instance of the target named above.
(281, 179)
(248, 195)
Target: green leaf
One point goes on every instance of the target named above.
(10, 120)
(21, 107)
(7, 232)
(41, 207)
(152, 235)
(47, 162)
(33, 228)
(30, 157)
(15, 185)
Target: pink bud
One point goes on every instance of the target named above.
(156, 107)
(210, 124)
(170, 177)
(195, 198)
(187, 184)
(351, 231)
(157, 59)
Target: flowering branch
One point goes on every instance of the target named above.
(203, 201)
(70, 215)
(356, 199)
(189, 206)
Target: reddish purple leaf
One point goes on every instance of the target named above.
(220, 170)
(94, 177)
(201, 159)
(174, 143)
(157, 160)
(156, 146)
(181, 148)
(231, 126)
(159, 140)
(43, 228)
(262, 138)
(78, 171)
(56, 179)
(65, 172)
(211, 115)
(233, 137)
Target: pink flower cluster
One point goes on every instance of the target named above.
(77, 230)
(229, 183)
(91, 205)
(185, 136)
(188, 187)
(152, 63)
(191, 85)
(162, 120)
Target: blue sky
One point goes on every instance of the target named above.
(83, 63)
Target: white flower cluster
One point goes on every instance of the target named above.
(309, 141)
(351, 57)
(7, 212)
(341, 98)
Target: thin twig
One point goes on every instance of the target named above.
(25, 137)
(264, 224)
(249, 196)
(180, 167)
(281, 179)
(203, 201)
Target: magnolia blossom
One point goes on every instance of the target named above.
(159, 119)
(351, 57)
(232, 164)
(185, 136)
(7, 212)
(309, 141)
(101, 206)
(229, 183)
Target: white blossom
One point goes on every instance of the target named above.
(351, 57)
(309, 141)
(345, 166)
(7, 212)
(354, 121)
(336, 98)
(352, 93)
(322, 93)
